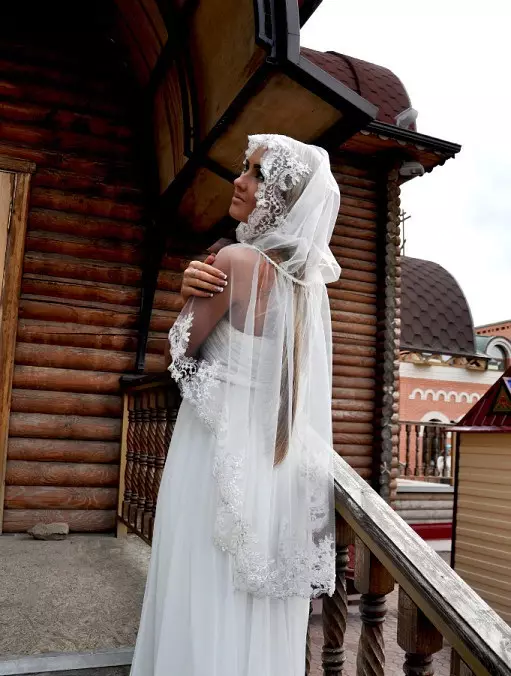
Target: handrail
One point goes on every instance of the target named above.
(478, 635)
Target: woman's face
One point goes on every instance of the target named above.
(245, 187)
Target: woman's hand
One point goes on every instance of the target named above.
(202, 279)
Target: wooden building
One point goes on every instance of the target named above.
(481, 552)
(122, 125)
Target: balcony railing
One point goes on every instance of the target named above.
(427, 451)
(434, 603)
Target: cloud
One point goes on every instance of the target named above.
(453, 61)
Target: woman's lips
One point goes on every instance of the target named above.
(238, 198)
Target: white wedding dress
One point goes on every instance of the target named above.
(194, 621)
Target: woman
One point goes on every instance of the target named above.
(244, 531)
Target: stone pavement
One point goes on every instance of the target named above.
(394, 656)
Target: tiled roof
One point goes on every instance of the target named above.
(435, 316)
(492, 411)
(376, 84)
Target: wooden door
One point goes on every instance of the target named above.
(14, 191)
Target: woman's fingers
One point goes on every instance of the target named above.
(203, 276)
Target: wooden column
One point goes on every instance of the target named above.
(417, 637)
(335, 608)
(374, 582)
(15, 188)
(121, 528)
(386, 428)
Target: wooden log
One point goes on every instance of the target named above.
(66, 403)
(65, 497)
(67, 141)
(58, 200)
(353, 394)
(357, 212)
(353, 371)
(353, 361)
(56, 356)
(25, 473)
(353, 438)
(346, 347)
(65, 380)
(356, 286)
(80, 521)
(94, 271)
(65, 119)
(356, 415)
(63, 450)
(40, 425)
(365, 305)
(112, 170)
(93, 249)
(353, 267)
(352, 405)
(349, 427)
(89, 226)
(75, 314)
(91, 292)
(357, 320)
(78, 335)
(80, 183)
(353, 383)
(361, 234)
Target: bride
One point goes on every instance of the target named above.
(244, 530)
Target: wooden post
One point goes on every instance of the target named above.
(373, 582)
(122, 529)
(137, 434)
(142, 470)
(308, 650)
(130, 445)
(17, 187)
(335, 608)
(417, 637)
(458, 666)
(147, 524)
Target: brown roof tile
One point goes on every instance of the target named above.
(435, 316)
(376, 84)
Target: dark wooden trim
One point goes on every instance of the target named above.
(13, 267)
(413, 137)
(388, 341)
(455, 503)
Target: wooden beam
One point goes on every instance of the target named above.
(11, 273)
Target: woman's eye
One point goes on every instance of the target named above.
(245, 167)
(259, 175)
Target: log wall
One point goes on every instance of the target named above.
(354, 302)
(67, 111)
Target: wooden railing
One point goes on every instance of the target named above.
(434, 603)
(151, 404)
(426, 450)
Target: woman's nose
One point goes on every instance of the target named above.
(240, 182)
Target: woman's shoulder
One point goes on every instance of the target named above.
(235, 255)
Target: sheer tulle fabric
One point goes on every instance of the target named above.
(244, 532)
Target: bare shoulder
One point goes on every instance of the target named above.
(236, 256)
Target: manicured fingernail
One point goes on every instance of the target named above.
(211, 295)
(225, 283)
(219, 288)
(224, 275)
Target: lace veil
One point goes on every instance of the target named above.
(256, 362)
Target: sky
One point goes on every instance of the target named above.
(454, 60)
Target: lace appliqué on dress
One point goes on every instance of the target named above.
(282, 170)
(196, 377)
(304, 568)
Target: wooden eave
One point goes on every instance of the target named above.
(379, 138)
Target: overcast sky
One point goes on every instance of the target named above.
(455, 63)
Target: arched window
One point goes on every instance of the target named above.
(499, 357)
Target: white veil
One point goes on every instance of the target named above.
(256, 362)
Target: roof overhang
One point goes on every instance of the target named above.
(273, 89)
(379, 138)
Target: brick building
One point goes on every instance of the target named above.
(445, 364)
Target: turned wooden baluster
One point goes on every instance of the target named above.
(335, 607)
(163, 434)
(137, 429)
(130, 445)
(142, 471)
(417, 637)
(417, 451)
(407, 461)
(373, 582)
(147, 523)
